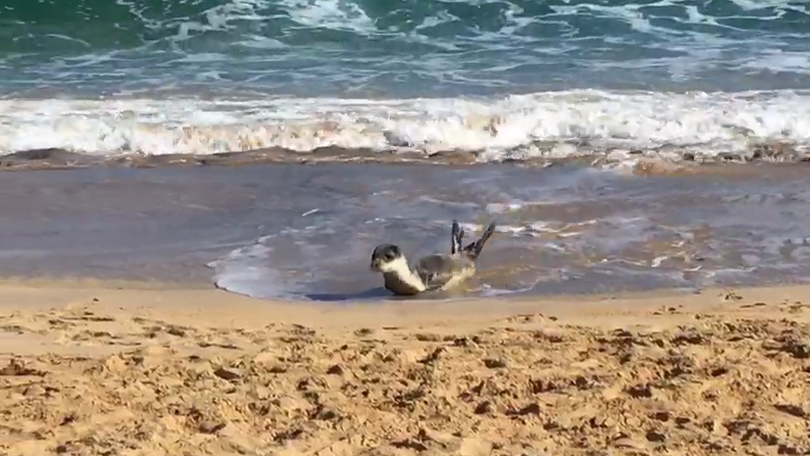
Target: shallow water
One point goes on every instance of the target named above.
(306, 231)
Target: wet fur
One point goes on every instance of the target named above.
(400, 279)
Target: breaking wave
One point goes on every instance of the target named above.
(540, 125)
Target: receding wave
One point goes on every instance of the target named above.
(551, 125)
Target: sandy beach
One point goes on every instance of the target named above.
(116, 368)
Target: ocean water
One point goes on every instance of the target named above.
(502, 79)
(506, 86)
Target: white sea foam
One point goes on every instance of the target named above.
(780, 61)
(243, 268)
(331, 14)
(220, 17)
(520, 126)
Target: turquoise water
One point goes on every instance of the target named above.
(396, 49)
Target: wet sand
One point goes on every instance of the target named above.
(666, 160)
(102, 368)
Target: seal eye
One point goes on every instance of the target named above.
(392, 253)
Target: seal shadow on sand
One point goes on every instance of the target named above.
(371, 294)
(376, 293)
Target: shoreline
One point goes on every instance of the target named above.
(104, 367)
(76, 287)
(642, 162)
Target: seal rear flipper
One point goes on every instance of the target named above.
(457, 234)
(473, 249)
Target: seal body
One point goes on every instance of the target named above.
(432, 272)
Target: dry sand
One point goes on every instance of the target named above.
(120, 369)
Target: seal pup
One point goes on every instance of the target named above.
(432, 272)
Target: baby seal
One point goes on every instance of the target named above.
(432, 272)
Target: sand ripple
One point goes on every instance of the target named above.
(526, 384)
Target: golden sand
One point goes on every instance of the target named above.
(116, 369)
